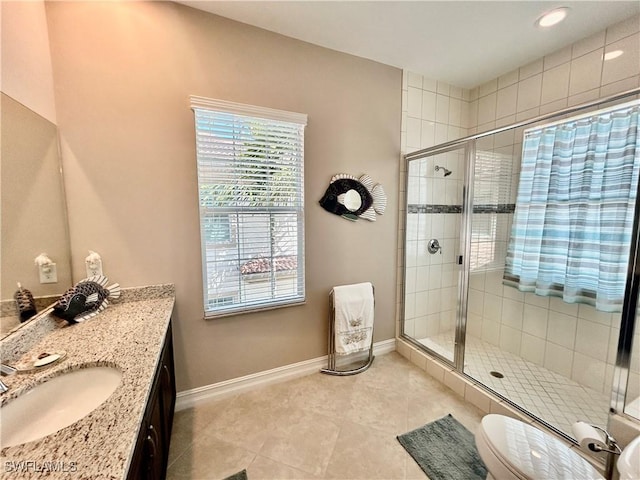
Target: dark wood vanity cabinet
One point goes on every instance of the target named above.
(152, 446)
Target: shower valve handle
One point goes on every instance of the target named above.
(434, 246)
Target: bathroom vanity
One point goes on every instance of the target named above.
(151, 452)
(128, 434)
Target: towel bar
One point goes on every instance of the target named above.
(331, 368)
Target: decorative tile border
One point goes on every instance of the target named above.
(488, 208)
(496, 208)
(422, 208)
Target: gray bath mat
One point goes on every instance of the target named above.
(445, 450)
(238, 476)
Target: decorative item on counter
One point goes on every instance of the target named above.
(25, 303)
(354, 198)
(86, 299)
(45, 359)
(32, 363)
(93, 262)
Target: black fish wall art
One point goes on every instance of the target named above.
(353, 198)
(88, 298)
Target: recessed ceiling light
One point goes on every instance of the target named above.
(612, 54)
(552, 17)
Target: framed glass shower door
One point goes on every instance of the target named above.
(553, 360)
(434, 220)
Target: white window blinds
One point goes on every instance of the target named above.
(492, 208)
(251, 192)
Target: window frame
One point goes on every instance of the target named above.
(201, 105)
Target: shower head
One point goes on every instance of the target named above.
(447, 172)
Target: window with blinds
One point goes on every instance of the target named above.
(492, 210)
(251, 193)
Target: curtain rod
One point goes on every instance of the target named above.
(448, 145)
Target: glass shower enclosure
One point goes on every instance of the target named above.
(433, 225)
(556, 361)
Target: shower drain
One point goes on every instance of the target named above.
(496, 374)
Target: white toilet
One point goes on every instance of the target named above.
(512, 449)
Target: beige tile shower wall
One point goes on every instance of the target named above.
(574, 340)
(571, 76)
(431, 279)
(432, 113)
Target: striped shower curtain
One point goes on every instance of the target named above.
(572, 225)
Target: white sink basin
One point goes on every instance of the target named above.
(55, 404)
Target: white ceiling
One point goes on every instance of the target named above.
(465, 43)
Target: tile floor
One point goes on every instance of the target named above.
(316, 427)
(556, 399)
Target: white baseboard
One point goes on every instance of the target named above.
(190, 398)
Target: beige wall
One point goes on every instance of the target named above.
(123, 73)
(26, 74)
(32, 196)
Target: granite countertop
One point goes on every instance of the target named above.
(8, 323)
(129, 336)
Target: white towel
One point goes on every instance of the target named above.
(353, 305)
